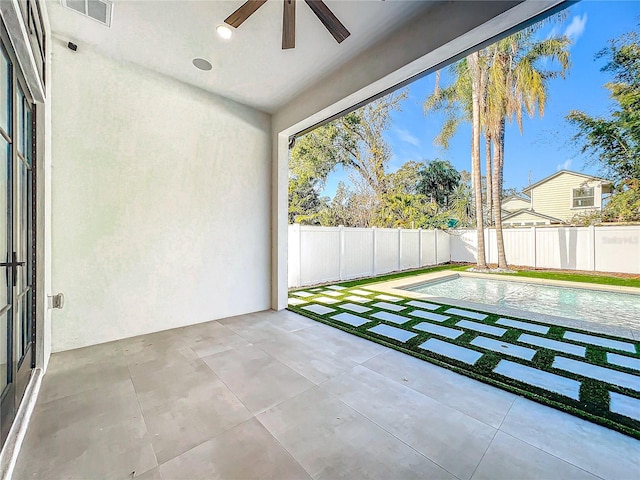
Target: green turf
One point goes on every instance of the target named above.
(569, 277)
(579, 277)
(410, 273)
(594, 397)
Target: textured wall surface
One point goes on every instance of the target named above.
(160, 199)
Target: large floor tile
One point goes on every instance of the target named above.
(333, 441)
(185, 405)
(210, 338)
(343, 344)
(149, 353)
(509, 458)
(245, 452)
(487, 404)
(450, 438)
(83, 369)
(317, 361)
(99, 433)
(259, 380)
(598, 450)
(153, 474)
(267, 325)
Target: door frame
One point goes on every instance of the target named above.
(19, 372)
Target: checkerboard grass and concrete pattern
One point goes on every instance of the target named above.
(593, 376)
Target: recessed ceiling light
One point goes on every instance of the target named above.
(202, 64)
(224, 32)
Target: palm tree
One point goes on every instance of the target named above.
(461, 101)
(500, 82)
(517, 83)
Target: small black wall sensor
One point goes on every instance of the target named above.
(72, 46)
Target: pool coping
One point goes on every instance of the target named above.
(391, 287)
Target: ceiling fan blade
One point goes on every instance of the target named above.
(238, 17)
(289, 24)
(326, 16)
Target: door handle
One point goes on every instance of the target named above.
(14, 264)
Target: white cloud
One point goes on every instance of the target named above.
(564, 166)
(576, 28)
(406, 136)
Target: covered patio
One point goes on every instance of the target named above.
(277, 395)
(149, 339)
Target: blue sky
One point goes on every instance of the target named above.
(545, 145)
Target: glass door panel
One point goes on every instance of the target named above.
(22, 245)
(5, 280)
(5, 106)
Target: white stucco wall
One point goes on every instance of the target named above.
(160, 202)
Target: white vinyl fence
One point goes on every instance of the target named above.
(603, 248)
(327, 254)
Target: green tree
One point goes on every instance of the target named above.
(405, 179)
(462, 202)
(437, 181)
(614, 143)
(402, 210)
(305, 204)
(356, 142)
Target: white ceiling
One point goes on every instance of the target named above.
(251, 68)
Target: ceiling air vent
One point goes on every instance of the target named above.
(100, 10)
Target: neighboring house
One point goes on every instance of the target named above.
(514, 203)
(556, 199)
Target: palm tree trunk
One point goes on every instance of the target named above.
(498, 163)
(474, 68)
(487, 153)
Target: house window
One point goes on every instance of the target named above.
(583, 197)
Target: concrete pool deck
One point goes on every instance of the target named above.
(398, 286)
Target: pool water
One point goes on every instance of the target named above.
(611, 308)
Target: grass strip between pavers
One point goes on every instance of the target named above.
(593, 404)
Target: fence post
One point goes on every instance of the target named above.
(533, 253)
(373, 256)
(487, 244)
(340, 250)
(592, 241)
(419, 247)
(399, 249)
(435, 244)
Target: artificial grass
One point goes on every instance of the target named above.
(594, 394)
(543, 274)
(578, 277)
(406, 273)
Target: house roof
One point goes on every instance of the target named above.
(551, 177)
(516, 197)
(530, 212)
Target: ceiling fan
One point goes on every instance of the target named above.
(324, 14)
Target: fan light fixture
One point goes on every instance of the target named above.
(324, 14)
(224, 32)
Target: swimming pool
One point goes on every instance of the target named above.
(612, 308)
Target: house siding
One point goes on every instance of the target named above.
(515, 204)
(554, 198)
(525, 217)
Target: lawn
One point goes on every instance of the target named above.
(601, 279)
(590, 375)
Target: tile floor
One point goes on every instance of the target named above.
(276, 395)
